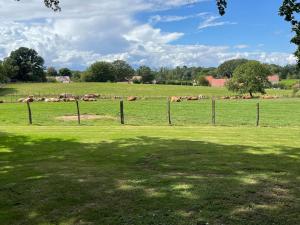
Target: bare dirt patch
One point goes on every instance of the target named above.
(86, 117)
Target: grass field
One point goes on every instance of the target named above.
(147, 172)
(289, 82)
(275, 113)
(117, 89)
(136, 175)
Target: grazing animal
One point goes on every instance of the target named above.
(131, 98)
(192, 98)
(175, 99)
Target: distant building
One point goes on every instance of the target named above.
(273, 79)
(63, 79)
(216, 82)
(135, 79)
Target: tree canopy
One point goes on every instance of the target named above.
(226, 69)
(146, 73)
(123, 70)
(99, 72)
(250, 77)
(65, 72)
(25, 65)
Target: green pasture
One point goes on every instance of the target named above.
(14, 91)
(276, 113)
(149, 175)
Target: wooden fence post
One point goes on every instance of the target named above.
(257, 114)
(29, 112)
(78, 111)
(169, 111)
(213, 111)
(122, 112)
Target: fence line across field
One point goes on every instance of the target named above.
(122, 110)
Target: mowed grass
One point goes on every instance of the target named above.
(14, 91)
(275, 113)
(149, 175)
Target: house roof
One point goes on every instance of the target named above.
(273, 77)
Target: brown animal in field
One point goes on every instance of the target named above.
(131, 98)
(192, 98)
(175, 99)
(65, 95)
(29, 99)
(247, 97)
(88, 99)
(268, 97)
(91, 96)
(225, 97)
(21, 99)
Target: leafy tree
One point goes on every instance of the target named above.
(76, 75)
(203, 81)
(250, 77)
(227, 68)
(51, 72)
(99, 72)
(146, 73)
(65, 72)
(6, 71)
(123, 70)
(3, 77)
(26, 65)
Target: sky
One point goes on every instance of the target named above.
(156, 33)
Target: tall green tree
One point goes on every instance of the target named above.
(99, 72)
(146, 73)
(27, 65)
(123, 70)
(227, 68)
(250, 77)
(65, 72)
(51, 72)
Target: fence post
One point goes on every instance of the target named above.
(257, 114)
(169, 111)
(29, 112)
(122, 111)
(213, 111)
(78, 111)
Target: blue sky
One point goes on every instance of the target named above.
(147, 32)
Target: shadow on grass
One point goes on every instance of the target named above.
(146, 180)
(6, 91)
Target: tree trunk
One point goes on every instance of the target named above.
(251, 94)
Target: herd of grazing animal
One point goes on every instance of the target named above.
(65, 97)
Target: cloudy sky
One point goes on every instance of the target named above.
(146, 32)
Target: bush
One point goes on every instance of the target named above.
(51, 80)
(99, 72)
(203, 81)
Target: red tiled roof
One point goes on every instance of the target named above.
(216, 82)
(273, 78)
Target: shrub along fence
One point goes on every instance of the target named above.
(279, 112)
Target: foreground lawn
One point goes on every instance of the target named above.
(14, 91)
(149, 175)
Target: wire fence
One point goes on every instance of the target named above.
(277, 112)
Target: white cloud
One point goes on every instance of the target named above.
(102, 30)
(212, 21)
(170, 18)
(241, 46)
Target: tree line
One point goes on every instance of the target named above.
(25, 65)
